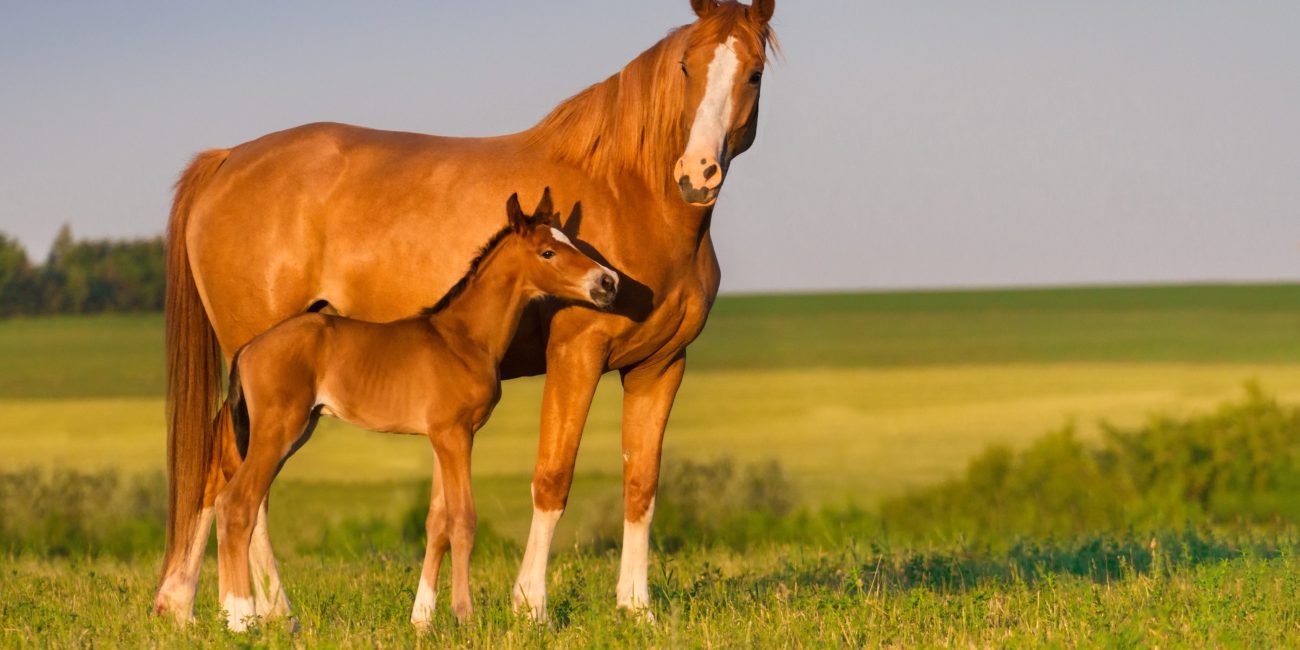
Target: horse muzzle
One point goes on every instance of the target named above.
(699, 178)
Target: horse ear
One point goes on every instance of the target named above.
(703, 7)
(544, 210)
(515, 214)
(761, 10)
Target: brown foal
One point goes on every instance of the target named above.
(434, 374)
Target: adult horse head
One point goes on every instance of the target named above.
(722, 73)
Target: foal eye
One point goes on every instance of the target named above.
(548, 255)
(755, 78)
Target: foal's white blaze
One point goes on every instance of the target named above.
(425, 599)
(238, 612)
(713, 117)
(530, 586)
(633, 586)
(560, 236)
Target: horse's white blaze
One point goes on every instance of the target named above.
(238, 612)
(713, 117)
(530, 586)
(633, 586)
(425, 599)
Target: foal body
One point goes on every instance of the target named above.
(435, 374)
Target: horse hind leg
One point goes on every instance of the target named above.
(269, 599)
(437, 526)
(179, 588)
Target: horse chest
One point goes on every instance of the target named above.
(674, 324)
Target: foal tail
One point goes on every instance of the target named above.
(238, 408)
(193, 371)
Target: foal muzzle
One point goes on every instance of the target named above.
(605, 289)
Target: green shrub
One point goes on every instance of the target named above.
(1237, 468)
(70, 513)
(710, 503)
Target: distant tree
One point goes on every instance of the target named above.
(17, 282)
(83, 276)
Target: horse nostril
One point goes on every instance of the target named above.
(607, 283)
(709, 173)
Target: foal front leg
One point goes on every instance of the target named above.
(453, 450)
(436, 527)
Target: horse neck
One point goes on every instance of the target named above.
(625, 125)
(486, 315)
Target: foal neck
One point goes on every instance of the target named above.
(482, 320)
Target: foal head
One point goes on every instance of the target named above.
(722, 69)
(551, 265)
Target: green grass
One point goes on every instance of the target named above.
(777, 597)
(860, 396)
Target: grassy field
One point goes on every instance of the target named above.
(859, 396)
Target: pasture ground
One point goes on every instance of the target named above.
(860, 396)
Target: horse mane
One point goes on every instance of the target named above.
(631, 122)
(459, 288)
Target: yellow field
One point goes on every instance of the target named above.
(842, 434)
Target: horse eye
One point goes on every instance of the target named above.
(548, 255)
(683, 64)
(755, 78)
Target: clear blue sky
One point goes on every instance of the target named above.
(902, 144)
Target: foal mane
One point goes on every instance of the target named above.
(631, 122)
(459, 288)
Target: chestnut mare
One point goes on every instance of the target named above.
(328, 212)
(433, 374)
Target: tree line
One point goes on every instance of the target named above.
(82, 276)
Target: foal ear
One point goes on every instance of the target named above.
(704, 7)
(544, 211)
(515, 214)
(761, 10)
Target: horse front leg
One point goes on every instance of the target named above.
(571, 377)
(648, 393)
(436, 526)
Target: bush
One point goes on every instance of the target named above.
(1237, 468)
(711, 503)
(69, 513)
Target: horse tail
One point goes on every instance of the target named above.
(193, 371)
(238, 407)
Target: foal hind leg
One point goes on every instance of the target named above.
(239, 504)
(269, 599)
(436, 526)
